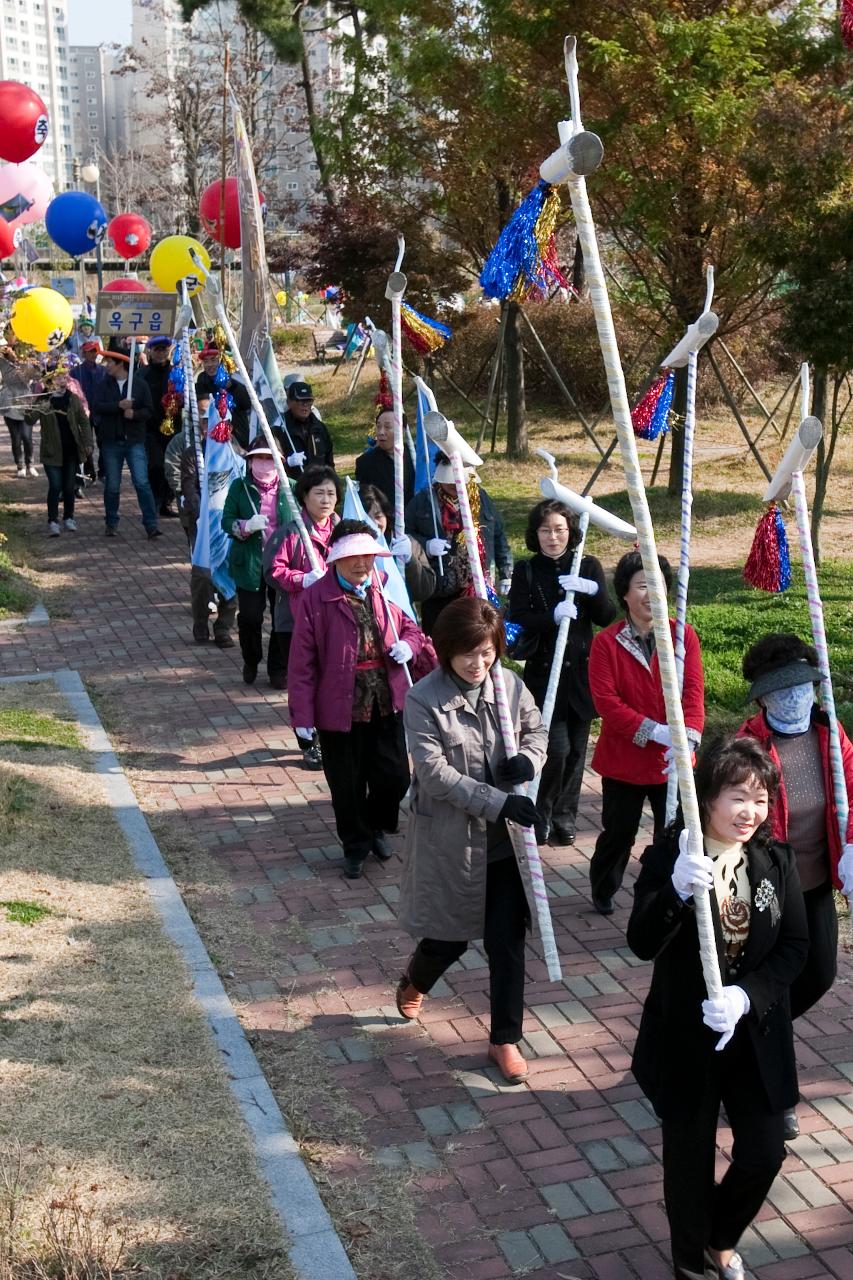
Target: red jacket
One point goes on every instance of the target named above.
(321, 669)
(628, 696)
(759, 729)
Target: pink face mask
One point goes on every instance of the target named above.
(263, 469)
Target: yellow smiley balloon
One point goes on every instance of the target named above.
(42, 318)
(171, 261)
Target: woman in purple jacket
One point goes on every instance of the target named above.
(346, 679)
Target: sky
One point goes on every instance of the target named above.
(96, 22)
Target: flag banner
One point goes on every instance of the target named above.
(393, 582)
(255, 322)
(425, 449)
(212, 544)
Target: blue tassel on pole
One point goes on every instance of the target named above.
(517, 251)
(784, 553)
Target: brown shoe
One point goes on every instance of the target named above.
(409, 999)
(509, 1062)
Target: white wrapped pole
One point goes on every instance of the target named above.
(687, 351)
(394, 291)
(211, 284)
(190, 398)
(449, 439)
(604, 520)
(130, 370)
(648, 549)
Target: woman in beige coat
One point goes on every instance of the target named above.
(461, 878)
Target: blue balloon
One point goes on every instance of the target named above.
(76, 222)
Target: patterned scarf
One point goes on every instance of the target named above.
(451, 523)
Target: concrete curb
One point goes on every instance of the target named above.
(316, 1252)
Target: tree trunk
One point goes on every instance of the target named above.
(516, 409)
(823, 456)
(314, 132)
(676, 457)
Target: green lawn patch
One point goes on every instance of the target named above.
(29, 729)
(24, 912)
(17, 592)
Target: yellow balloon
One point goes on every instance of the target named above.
(281, 298)
(42, 318)
(171, 262)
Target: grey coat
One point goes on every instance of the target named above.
(443, 888)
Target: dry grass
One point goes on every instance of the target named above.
(119, 1135)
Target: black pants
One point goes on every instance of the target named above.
(250, 621)
(503, 939)
(21, 434)
(621, 811)
(367, 769)
(62, 480)
(155, 447)
(822, 961)
(701, 1214)
(560, 786)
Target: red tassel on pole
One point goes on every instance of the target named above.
(768, 566)
(384, 398)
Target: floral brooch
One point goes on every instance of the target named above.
(765, 896)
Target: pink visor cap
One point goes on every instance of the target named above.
(355, 544)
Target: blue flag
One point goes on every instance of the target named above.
(393, 583)
(425, 449)
(212, 544)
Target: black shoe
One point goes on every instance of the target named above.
(791, 1128)
(249, 673)
(561, 835)
(154, 533)
(312, 757)
(224, 641)
(604, 906)
(110, 531)
(201, 639)
(278, 680)
(353, 868)
(379, 846)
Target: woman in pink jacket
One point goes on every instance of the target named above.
(346, 679)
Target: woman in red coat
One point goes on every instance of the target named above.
(633, 748)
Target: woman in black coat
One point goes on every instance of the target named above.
(536, 603)
(693, 1054)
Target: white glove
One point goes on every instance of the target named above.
(437, 547)
(256, 522)
(724, 1015)
(306, 734)
(296, 460)
(580, 586)
(401, 651)
(504, 585)
(565, 609)
(314, 576)
(845, 871)
(692, 870)
(401, 548)
(662, 735)
(668, 757)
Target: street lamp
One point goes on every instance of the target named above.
(91, 173)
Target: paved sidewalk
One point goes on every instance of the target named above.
(557, 1178)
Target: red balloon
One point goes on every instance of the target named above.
(23, 121)
(125, 284)
(7, 240)
(208, 211)
(130, 234)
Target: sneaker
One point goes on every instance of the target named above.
(509, 1062)
(224, 641)
(312, 757)
(353, 868)
(110, 531)
(53, 529)
(379, 845)
(70, 524)
(22, 473)
(791, 1125)
(31, 470)
(154, 533)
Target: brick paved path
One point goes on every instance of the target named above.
(557, 1178)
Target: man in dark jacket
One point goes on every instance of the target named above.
(307, 433)
(205, 385)
(91, 375)
(122, 420)
(376, 465)
(156, 375)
